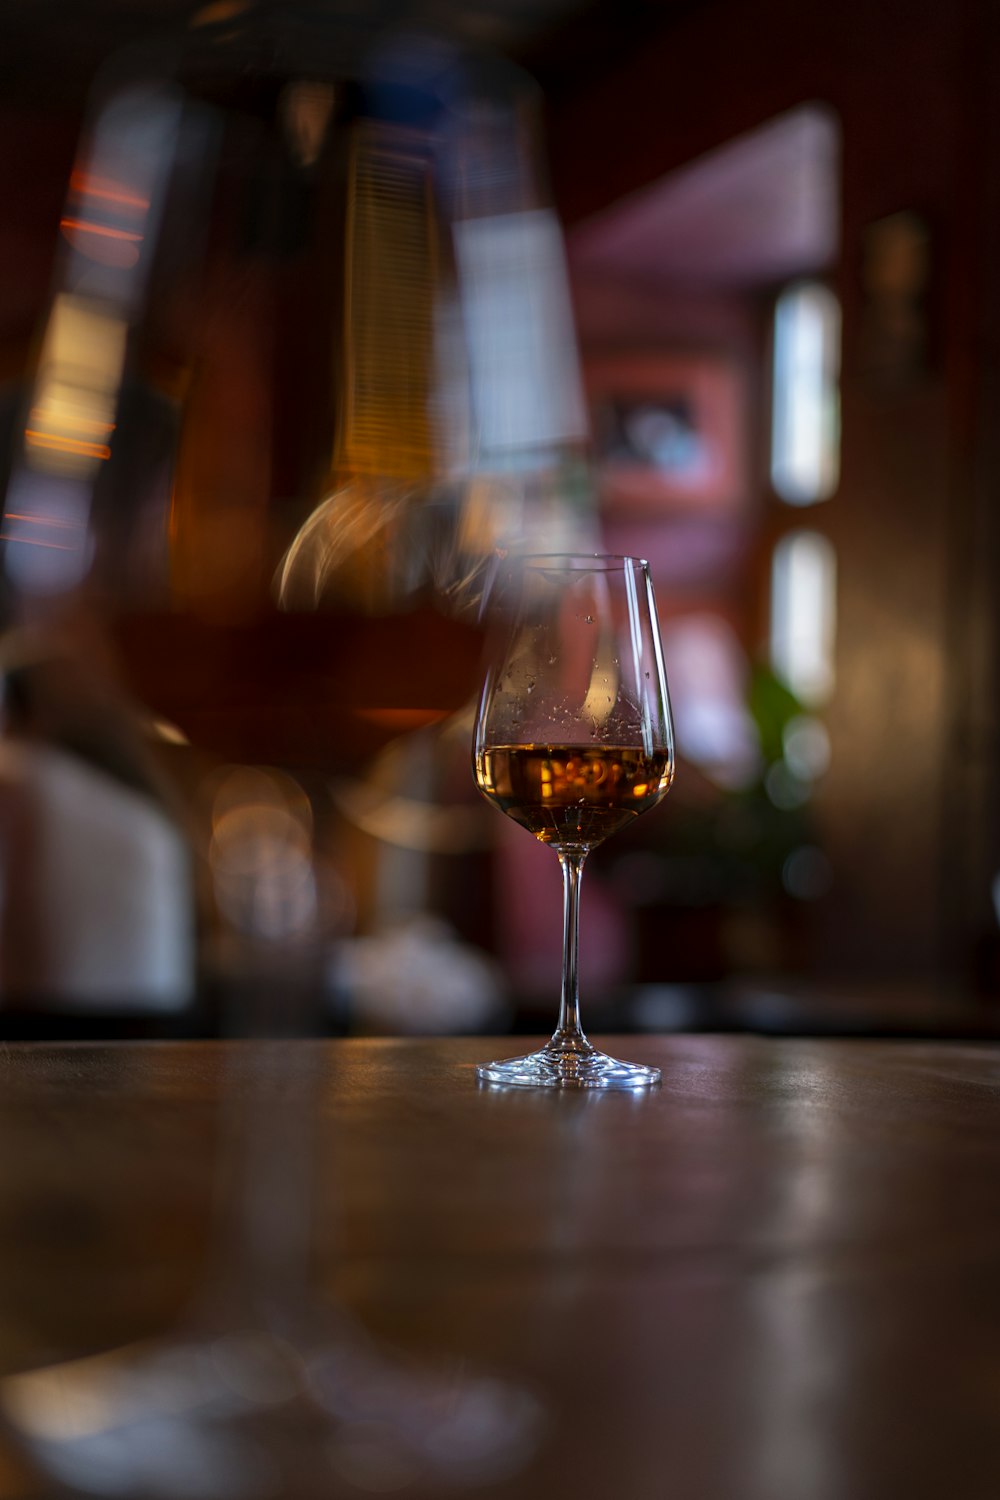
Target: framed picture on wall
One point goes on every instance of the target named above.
(669, 432)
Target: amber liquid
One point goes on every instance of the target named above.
(573, 796)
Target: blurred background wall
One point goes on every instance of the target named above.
(730, 173)
(907, 809)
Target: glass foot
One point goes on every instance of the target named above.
(561, 1068)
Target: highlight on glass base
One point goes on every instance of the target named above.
(558, 1068)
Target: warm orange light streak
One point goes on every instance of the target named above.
(98, 187)
(66, 445)
(34, 541)
(40, 414)
(15, 515)
(87, 227)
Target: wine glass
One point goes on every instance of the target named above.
(573, 740)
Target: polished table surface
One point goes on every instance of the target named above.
(775, 1278)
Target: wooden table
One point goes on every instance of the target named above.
(776, 1278)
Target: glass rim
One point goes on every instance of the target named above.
(586, 560)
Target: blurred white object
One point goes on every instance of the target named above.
(416, 978)
(96, 907)
(522, 342)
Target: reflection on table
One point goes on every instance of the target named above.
(775, 1275)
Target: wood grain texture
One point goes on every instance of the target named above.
(779, 1275)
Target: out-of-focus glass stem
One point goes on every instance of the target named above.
(259, 1258)
(568, 1035)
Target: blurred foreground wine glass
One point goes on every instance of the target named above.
(308, 363)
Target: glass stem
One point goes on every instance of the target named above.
(568, 1035)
